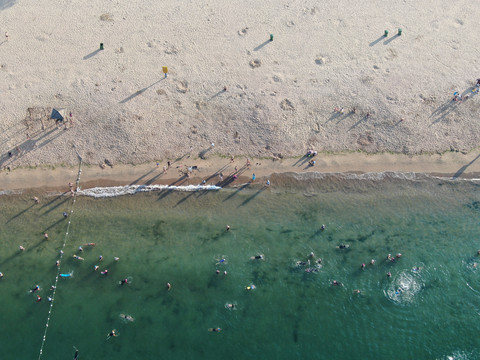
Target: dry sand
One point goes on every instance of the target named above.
(280, 96)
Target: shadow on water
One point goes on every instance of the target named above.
(20, 213)
(55, 199)
(464, 167)
(246, 201)
(243, 187)
(55, 207)
(54, 224)
(5, 4)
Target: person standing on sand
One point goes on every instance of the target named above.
(6, 36)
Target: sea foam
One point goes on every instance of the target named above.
(113, 191)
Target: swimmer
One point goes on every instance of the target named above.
(227, 227)
(399, 255)
(416, 268)
(311, 270)
(169, 286)
(36, 288)
(478, 252)
(336, 283)
(78, 257)
(123, 282)
(116, 258)
(258, 257)
(231, 306)
(302, 263)
(1, 275)
(112, 333)
(372, 262)
(104, 272)
(250, 287)
(100, 258)
(126, 317)
(389, 274)
(89, 244)
(75, 357)
(215, 329)
(95, 268)
(222, 261)
(225, 273)
(389, 257)
(38, 299)
(343, 246)
(217, 271)
(49, 299)
(45, 235)
(57, 263)
(21, 248)
(363, 266)
(52, 287)
(357, 291)
(65, 214)
(319, 260)
(322, 227)
(80, 248)
(35, 199)
(312, 254)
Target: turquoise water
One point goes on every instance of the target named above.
(179, 237)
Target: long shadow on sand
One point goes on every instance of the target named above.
(5, 4)
(139, 92)
(463, 168)
(261, 45)
(92, 54)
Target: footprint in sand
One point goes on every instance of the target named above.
(242, 32)
(287, 105)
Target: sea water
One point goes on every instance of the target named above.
(428, 309)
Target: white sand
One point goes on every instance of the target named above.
(324, 55)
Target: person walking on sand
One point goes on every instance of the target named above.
(6, 36)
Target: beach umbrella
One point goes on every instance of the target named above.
(58, 114)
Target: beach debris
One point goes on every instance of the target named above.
(106, 17)
(320, 60)
(255, 63)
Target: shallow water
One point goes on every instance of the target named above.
(179, 237)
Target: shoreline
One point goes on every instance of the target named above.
(45, 179)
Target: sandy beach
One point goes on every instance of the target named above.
(329, 80)
(449, 165)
